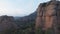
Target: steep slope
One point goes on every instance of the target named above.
(27, 19)
(48, 16)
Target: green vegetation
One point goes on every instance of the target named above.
(38, 31)
(26, 29)
(49, 31)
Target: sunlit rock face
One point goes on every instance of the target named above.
(48, 16)
(45, 14)
(6, 23)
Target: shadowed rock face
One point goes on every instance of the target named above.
(48, 16)
(6, 23)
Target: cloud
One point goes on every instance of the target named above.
(14, 8)
(13, 12)
(18, 7)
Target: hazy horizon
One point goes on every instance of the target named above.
(19, 7)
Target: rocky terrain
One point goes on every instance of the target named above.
(10, 23)
(45, 20)
(6, 23)
(48, 16)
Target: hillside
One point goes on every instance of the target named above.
(27, 19)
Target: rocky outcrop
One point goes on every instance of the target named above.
(48, 16)
(6, 23)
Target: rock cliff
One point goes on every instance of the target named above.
(48, 16)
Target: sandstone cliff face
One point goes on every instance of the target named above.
(6, 23)
(48, 15)
(44, 15)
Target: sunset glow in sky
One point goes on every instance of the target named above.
(19, 7)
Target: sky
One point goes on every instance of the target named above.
(19, 7)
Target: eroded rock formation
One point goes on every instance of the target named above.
(48, 16)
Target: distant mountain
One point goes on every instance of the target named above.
(10, 23)
(26, 19)
(29, 17)
(16, 17)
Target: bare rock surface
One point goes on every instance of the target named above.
(48, 16)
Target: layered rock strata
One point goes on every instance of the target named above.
(48, 16)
